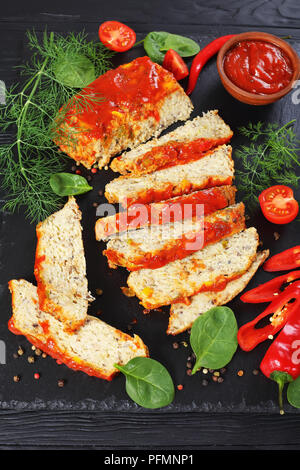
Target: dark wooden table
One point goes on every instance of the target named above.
(79, 429)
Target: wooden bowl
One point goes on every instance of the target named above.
(246, 96)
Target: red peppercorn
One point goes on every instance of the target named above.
(78, 172)
(94, 170)
(180, 387)
(36, 376)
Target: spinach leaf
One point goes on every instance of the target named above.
(154, 43)
(214, 338)
(293, 393)
(148, 382)
(67, 184)
(74, 70)
(157, 43)
(185, 47)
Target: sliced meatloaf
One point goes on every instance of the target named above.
(94, 348)
(182, 316)
(187, 143)
(154, 246)
(209, 269)
(126, 106)
(60, 267)
(215, 169)
(173, 210)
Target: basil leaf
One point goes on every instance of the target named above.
(67, 184)
(214, 338)
(74, 70)
(157, 43)
(185, 47)
(148, 382)
(153, 44)
(293, 393)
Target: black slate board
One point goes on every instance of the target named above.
(247, 395)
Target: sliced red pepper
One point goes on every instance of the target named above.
(280, 310)
(269, 290)
(284, 261)
(281, 362)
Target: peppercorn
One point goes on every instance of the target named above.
(99, 291)
(189, 365)
(180, 387)
(215, 379)
(220, 380)
(36, 376)
(223, 370)
(20, 351)
(30, 359)
(217, 374)
(204, 382)
(240, 373)
(205, 371)
(38, 352)
(33, 348)
(94, 170)
(189, 371)
(16, 378)
(100, 192)
(44, 355)
(78, 172)
(15, 356)
(61, 383)
(255, 372)
(175, 345)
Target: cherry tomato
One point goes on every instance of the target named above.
(116, 36)
(175, 64)
(278, 204)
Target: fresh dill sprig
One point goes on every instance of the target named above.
(30, 117)
(270, 158)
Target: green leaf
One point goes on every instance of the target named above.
(74, 70)
(293, 393)
(67, 184)
(157, 43)
(185, 47)
(153, 44)
(214, 338)
(148, 383)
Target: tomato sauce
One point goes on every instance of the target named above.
(258, 67)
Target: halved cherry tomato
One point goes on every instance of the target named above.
(278, 204)
(268, 291)
(284, 261)
(116, 36)
(175, 64)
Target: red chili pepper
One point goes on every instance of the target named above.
(281, 362)
(288, 259)
(280, 310)
(202, 57)
(269, 290)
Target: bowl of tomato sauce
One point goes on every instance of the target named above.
(258, 68)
